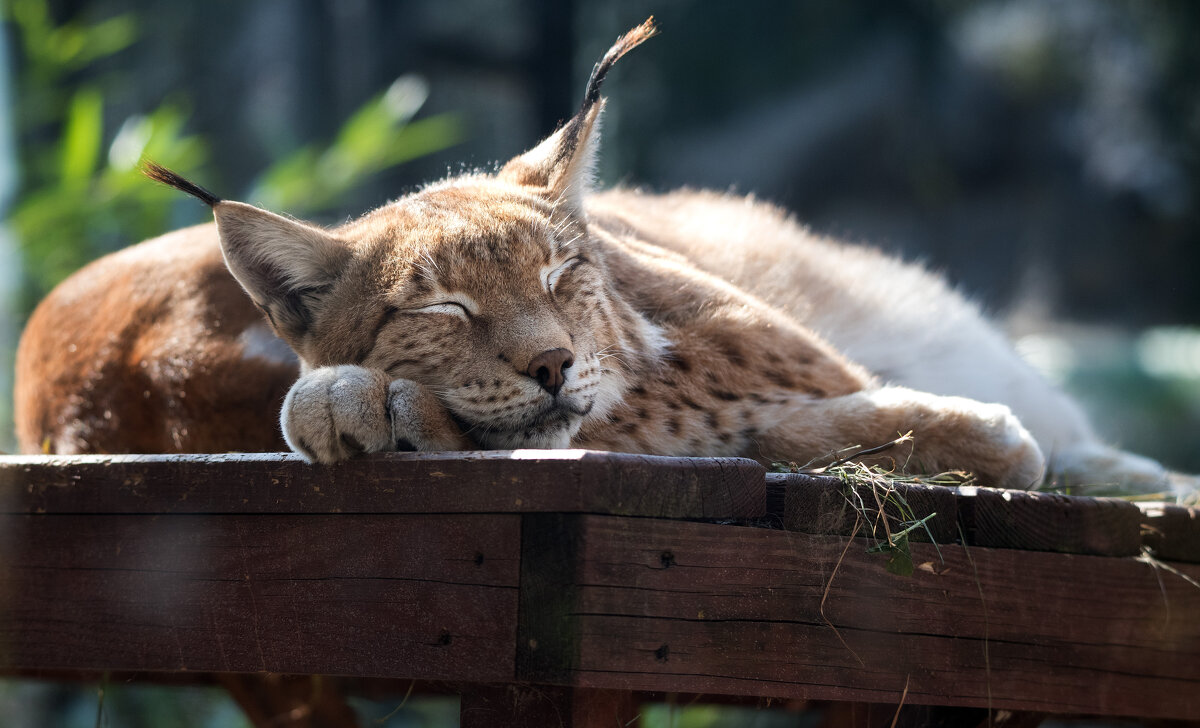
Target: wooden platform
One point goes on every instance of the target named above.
(592, 576)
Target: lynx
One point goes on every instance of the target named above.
(522, 309)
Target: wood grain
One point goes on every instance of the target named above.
(990, 517)
(1032, 521)
(826, 505)
(1171, 532)
(548, 629)
(722, 609)
(459, 482)
(525, 566)
(430, 597)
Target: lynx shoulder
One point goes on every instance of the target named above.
(523, 309)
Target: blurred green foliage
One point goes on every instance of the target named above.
(53, 51)
(67, 705)
(78, 199)
(379, 135)
(81, 193)
(138, 705)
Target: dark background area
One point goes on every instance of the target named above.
(1009, 143)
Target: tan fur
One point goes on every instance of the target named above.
(417, 325)
(142, 351)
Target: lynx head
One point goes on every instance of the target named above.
(487, 288)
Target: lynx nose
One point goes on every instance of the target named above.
(547, 368)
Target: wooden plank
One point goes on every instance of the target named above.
(431, 597)
(1032, 521)
(696, 607)
(1171, 532)
(167, 679)
(459, 482)
(989, 517)
(548, 629)
(535, 706)
(826, 505)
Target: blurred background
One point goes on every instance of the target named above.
(1043, 154)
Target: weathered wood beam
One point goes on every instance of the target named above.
(432, 596)
(989, 517)
(662, 605)
(495, 568)
(519, 481)
(1171, 532)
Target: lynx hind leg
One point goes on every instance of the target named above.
(961, 433)
(948, 433)
(1092, 468)
(333, 413)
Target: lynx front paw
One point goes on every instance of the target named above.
(333, 413)
(421, 422)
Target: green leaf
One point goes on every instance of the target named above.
(377, 136)
(33, 18)
(426, 136)
(289, 182)
(900, 561)
(65, 44)
(106, 38)
(82, 137)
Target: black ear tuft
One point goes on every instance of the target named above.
(624, 44)
(562, 164)
(161, 174)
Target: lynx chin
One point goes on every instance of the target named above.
(523, 309)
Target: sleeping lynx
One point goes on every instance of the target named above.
(522, 310)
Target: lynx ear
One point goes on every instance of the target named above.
(284, 265)
(562, 165)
